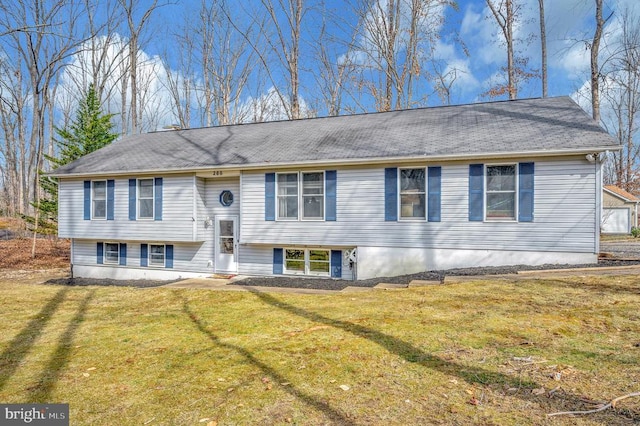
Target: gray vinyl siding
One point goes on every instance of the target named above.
(208, 206)
(564, 213)
(185, 255)
(177, 213)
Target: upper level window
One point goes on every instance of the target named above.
(99, 199)
(313, 195)
(287, 196)
(412, 193)
(145, 198)
(300, 195)
(501, 192)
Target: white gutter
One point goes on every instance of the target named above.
(346, 162)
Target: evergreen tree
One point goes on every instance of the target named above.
(90, 131)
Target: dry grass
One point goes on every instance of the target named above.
(481, 352)
(51, 253)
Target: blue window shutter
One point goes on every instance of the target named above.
(132, 199)
(158, 199)
(168, 256)
(330, 197)
(434, 184)
(525, 193)
(476, 192)
(144, 254)
(270, 196)
(391, 194)
(277, 261)
(110, 198)
(87, 200)
(123, 254)
(100, 253)
(336, 263)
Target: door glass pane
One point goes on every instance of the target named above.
(226, 228)
(226, 245)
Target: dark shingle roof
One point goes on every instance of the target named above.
(520, 126)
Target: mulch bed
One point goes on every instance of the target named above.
(332, 284)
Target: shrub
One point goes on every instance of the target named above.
(635, 231)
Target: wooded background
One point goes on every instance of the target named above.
(227, 62)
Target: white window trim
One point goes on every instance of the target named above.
(164, 256)
(284, 218)
(106, 201)
(301, 198)
(516, 193)
(104, 253)
(299, 179)
(153, 199)
(426, 196)
(307, 262)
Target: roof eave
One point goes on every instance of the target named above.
(349, 162)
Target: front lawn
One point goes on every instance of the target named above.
(479, 352)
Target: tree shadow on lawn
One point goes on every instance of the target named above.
(13, 355)
(471, 374)
(41, 392)
(333, 414)
(593, 286)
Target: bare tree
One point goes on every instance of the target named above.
(395, 43)
(543, 48)
(620, 91)
(595, 69)
(505, 16)
(135, 27)
(39, 55)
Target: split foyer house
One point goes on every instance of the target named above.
(350, 197)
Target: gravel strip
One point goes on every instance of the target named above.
(330, 284)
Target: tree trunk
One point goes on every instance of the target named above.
(595, 71)
(543, 48)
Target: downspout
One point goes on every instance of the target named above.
(598, 209)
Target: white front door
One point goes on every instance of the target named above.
(226, 244)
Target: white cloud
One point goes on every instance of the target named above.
(154, 98)
(269, 107)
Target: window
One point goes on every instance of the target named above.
(501, 192)
(156, 255)
(412, 193)
(313, 195)
(307, 262)
(319, 262)
(112, 253)
(294, 261)
(99, 199)
(307, 203)
(145, 198)
(288, 196)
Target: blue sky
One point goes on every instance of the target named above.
(469, 41)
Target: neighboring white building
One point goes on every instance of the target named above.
(619, 210)
(360, 196)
